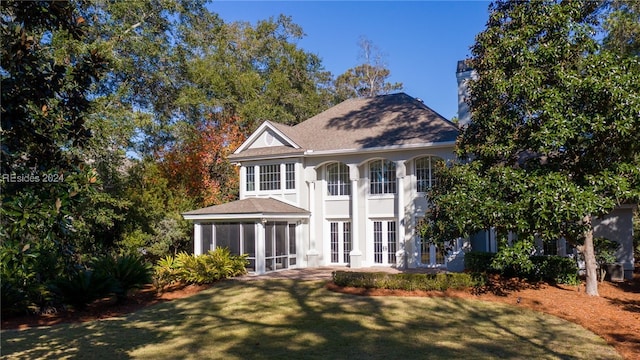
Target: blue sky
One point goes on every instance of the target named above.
(421, 40)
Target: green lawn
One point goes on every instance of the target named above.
(285, 319)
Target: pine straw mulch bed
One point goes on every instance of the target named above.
(615, 315)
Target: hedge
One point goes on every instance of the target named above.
(426, 282)
(479, 262)
(552, 269)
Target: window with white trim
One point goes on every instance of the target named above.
(384, 242)
(290, 176)
(338, 179)
(270, 177)
(426, 172)
(251, 178)
(340, 241)
(382, 177)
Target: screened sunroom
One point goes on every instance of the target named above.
(269, 231)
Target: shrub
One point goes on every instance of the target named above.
(478, 261)
(515, 260)
(26, 271)
(191, 270)
(126, 272)
(357, 279)
(14, 300)
(203, 269)
(554, 270)
(409, 282)
(83, 286)
(166, 272)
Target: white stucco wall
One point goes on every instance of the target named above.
(618, 226)
(371, 207)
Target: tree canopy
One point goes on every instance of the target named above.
(118, 116)
(555, 134)
(367, 79)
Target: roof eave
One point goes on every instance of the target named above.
(240, 157)
(247, 216)
(431, 145)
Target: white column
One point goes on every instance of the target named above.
(400, 175)
(260, 243)
(243, 182)
(197, 239)
(355, 255)
(312, 254)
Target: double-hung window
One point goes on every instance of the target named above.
(382, 177)
(251, 178)
(338, 179)
(425, 172)
(290, 176)
(270, 177)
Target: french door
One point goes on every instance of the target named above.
(430, 254)
(384, 242)
(340, 240)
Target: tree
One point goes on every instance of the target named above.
(622, 27)
(198, 164)
(251, 74)
(153, 222)
(49, 66)
(368, 79)
(554, 140)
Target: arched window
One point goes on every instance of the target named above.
(382, 177)
(338, 179)
(426, 171)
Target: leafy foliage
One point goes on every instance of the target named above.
(167, 271)
(126, 272)
(409, 282)
(478, 261)
(605, 250)
(515, 259)
(367, 79)
(83, 286)
(199, 163)
(552, 269)
(554, 137)
(255, 73)
(622, 27)
(154, 226)
(26, 270)
(636, 234)
(199, 269)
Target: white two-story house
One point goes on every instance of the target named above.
(345, 187)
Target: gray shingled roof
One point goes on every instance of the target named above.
(248, 206)
(385, 120)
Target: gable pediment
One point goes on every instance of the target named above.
(269, 138)
(268, 135)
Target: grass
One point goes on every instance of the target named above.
(285, 319)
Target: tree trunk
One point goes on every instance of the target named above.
(590, 259)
